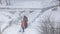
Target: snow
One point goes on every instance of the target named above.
(35, 20)
(33, 27)
(33, 4)
(15, 28)
(56, 17)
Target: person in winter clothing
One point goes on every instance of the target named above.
(24, 23)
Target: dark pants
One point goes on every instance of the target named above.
(23, 29)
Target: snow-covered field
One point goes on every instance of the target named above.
(6, 17)
(38, 20)
(34, 23)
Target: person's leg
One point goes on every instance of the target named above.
(23, 29)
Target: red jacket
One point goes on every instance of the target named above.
(22, 25)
